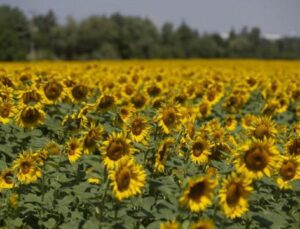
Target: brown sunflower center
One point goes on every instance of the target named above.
(53, 90)
(116, 149)
(169, 117)
(129, 90)
(30, 115)
(31, 96)
(234, 193)
(294, 147)
(288, 170)
(5, 111)
(8, 178)
(197, 190)
(137, 126)
(153, 90)
(138, 101)
(203, 109)
(123, 179)
(262, 131)
(25, 167)
(256, 159)
(198, 148)
(106, 102)
(79, 92)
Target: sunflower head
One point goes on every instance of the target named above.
(30, 116)
(293, 146)
(7, 179)
(203, 224)
(73, 149)
(263, 127)
(106, 102)
(53, 90)
(289, 170)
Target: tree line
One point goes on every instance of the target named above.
(126, 37)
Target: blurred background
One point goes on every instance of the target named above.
(143, 29)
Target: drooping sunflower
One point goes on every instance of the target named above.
(289, 170)
(199, 193)
(169, 225)
(7, 179)
(91, 138)
(138, 128)
(262, 127)
(73, 149)
(114, 148)
(162, 154)
(256, 158)
(168, 118)
(127, 178)
(7, 112)
(27, 168)
(203, 224)
(200, 150)
(233, 195)
(30, 116)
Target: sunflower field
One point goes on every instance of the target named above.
(150, 144)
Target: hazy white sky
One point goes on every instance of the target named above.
(272, 16)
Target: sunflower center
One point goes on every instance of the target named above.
(106, 102)
(138, 101)
(261, 131)
(137, 127)
(203, 108)
(8, 178)
(256, 159)
(123, 179)
(198, 148)
(288, 170)
(234, 193)
(30, 115)
(25, 167)
(129, 90)
(153, 90)
(31, 96)
(5, 111)
(116, 149)
(197, 190)
(294, 148)
(79, 92)
(169, 117)
(53, 90)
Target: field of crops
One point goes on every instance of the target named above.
(158, 144)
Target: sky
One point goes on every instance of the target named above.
(273, 17)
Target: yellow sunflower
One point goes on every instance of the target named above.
(105, 103)
(91, 139)
(293, 146)
(54, 91)
(289, 170)
(200, 150)
(168, 118)
(169, 225)
(127, 178)
(31, 95)
(138, 128)
(233, 195)
(114, 148)
(27, 168)
(257, 158)
(7, 179)
(30, 116)
(262, 127)
(230, 123)
(247, 120)
(73, 149)
(203, 224)
(7, 112)
(199, 193)
(204, 108)
(162, 155)
(78, 93)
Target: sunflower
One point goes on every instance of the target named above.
(30, 96)
(115, 148)
(78, 92)
(233, 195)
(91, 138)
(138, 100)
(126, 112)
(30, 116)
(169, 225)
(168, 118)
(257, 158)
(53, 148)
(27, 168)
(106, 102)
(73, 149)
(162, 155)
(200, 150)
(247, 121)
(127, 178)
(199, 193)
(289, 170)
(138, 128)
(293, 146)
(262, 127)
(7, 179)
(7, 112)
(204, 108)
(203, 224)
(230, 123)
(53, 91)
